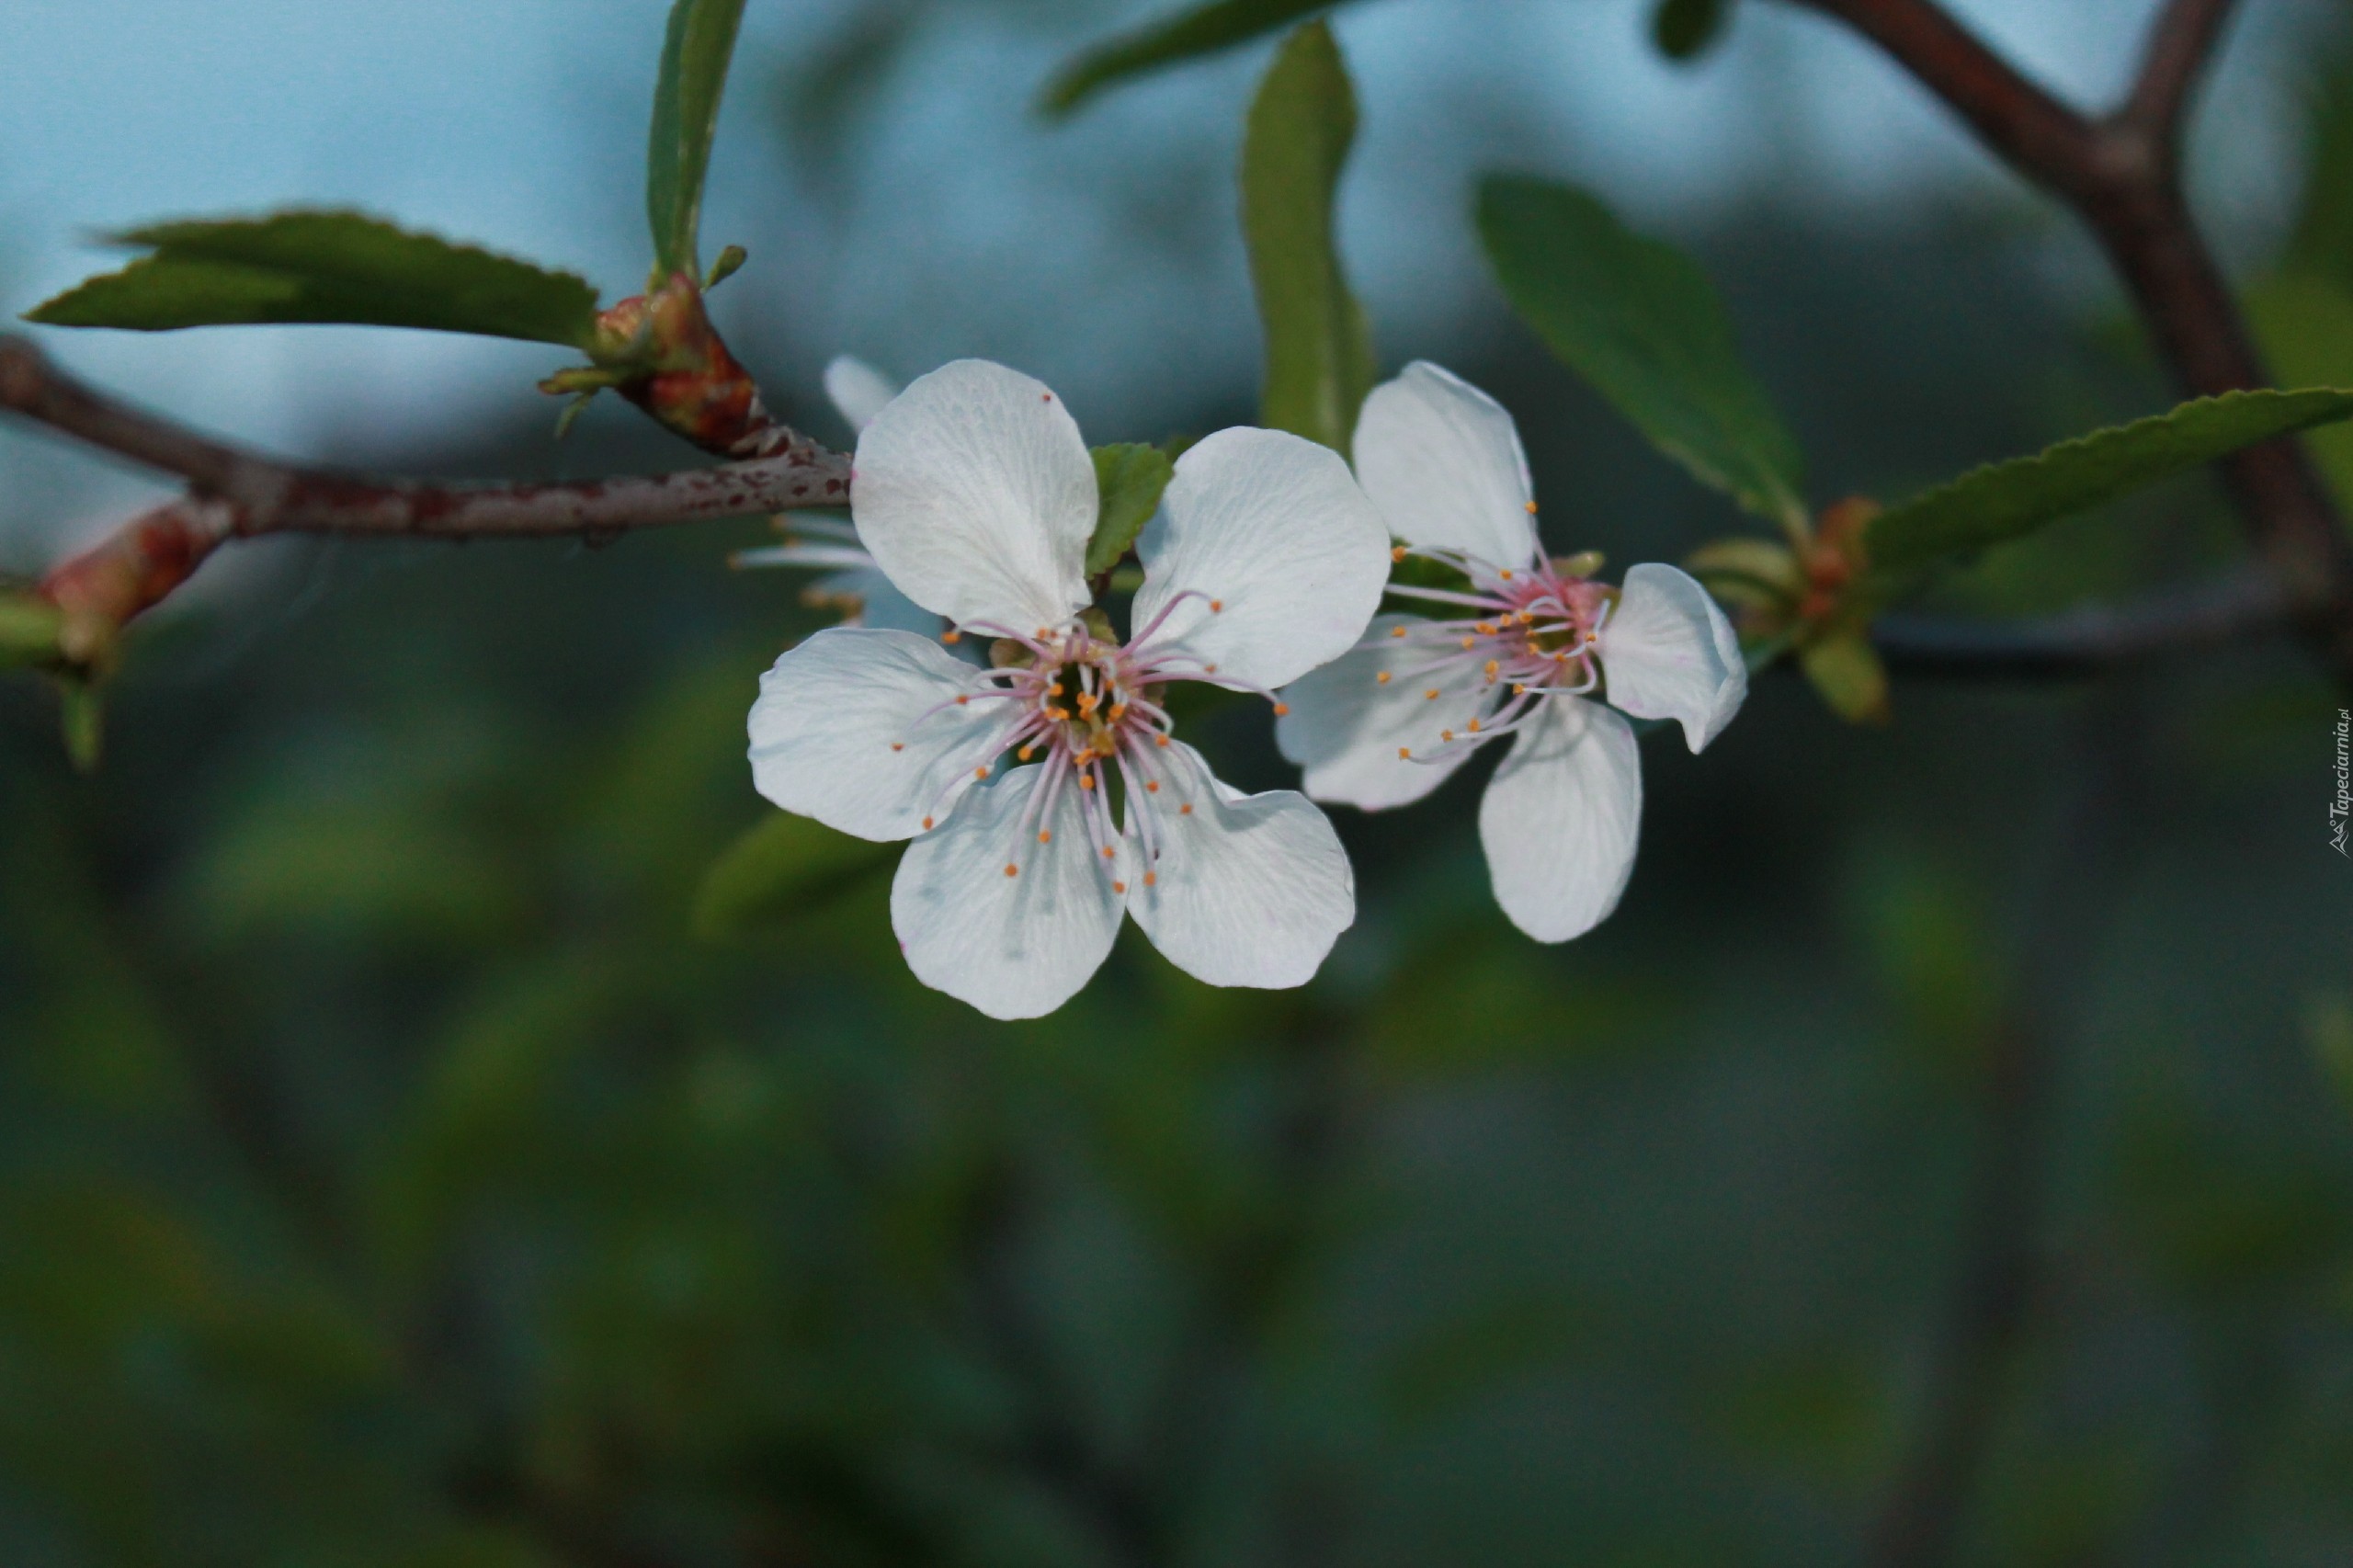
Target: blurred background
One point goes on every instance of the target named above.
(395, 1170)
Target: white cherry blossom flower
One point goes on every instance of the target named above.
(1530, 649)
(853, 582)
(977, 497)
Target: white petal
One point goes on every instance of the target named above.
(974, 492)
(1274, 530)
(1441, 460)
(1345, 725)
(1561, 817)
(840, 732)
(1668, 652)
(858, 390)
(1013, 947)
(1248, 890)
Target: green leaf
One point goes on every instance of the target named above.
(1204, 30)
(1319, 351)
(29, 628)
(322, 267)
(2005, 500)
(782, 870)
(695, 54)
(1130, 477)
(1684, 29)
(82, 714)
(1640, 321)
(1846, 669)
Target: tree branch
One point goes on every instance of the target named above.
(237, 493)
(2089, 640)
(2121, 176)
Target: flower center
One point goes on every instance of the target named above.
(1520, 636)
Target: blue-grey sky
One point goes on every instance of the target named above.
(953, 222)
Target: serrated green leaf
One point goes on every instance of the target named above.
(29, 628)
(1319, 350)
(1204, 30)
(1130, 477)
(2005, 500)
(1846, 669)
(787, 868)
(695, 55)
(322, 267)
(1683, 29)
(1640, 321)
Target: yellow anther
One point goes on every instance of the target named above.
(1024, 754)
(1281, 709)
(1118, 711)
(1151, 786)
(1087, 781)
(1380, 679)
(1474, 726)
(1396, 632)
(1011, 870)
(1506, 573)
(1531, 509)
(1397, 552)
(1470, 642)
(1185, 810)
(1445, 735)
(1045, 835)
(1216, 606)
(982, 771)
(1110, 853)
(1209, 669)
(898, 745)
(1160, 740)
(1517, 690)
(1487, 629)
(951, 637)
(1405, 754)
(1151, 879)
(1493, 666)
(1431, 694)
(927, 823)
(1119, 887)
(961, 699)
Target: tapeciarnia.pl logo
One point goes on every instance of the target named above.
(2340, 808)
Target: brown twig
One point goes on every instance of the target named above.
(2089, 640)
(2122, 176)
(237, 493)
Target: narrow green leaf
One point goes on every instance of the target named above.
(1683, 29)
(1640, 321)
(29, 628)
(321, 267)
(1847, 671)
(1204, 30)
(1130, 477)
(695, 54)
(2005, 500)
(1319, 350)
(82, 714)
(785, 869)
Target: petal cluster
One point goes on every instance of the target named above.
(1523, 647)
(975, 495)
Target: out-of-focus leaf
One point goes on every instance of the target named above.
(784, 870)
(695, 55)
(1750, 571)
(1846, 669)
(1827, 1416)
(373, 869)
(2304, 321)
(2328, 1019)
(1204, 30)
(82, 714)
(1130, 477)
(1925, 928)
(321, 267)
(1684, 29)
(2322, 242)
(27, 629)
(1463, 1360)
(1638, 320)
(1319, 350)
(2005, 500)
